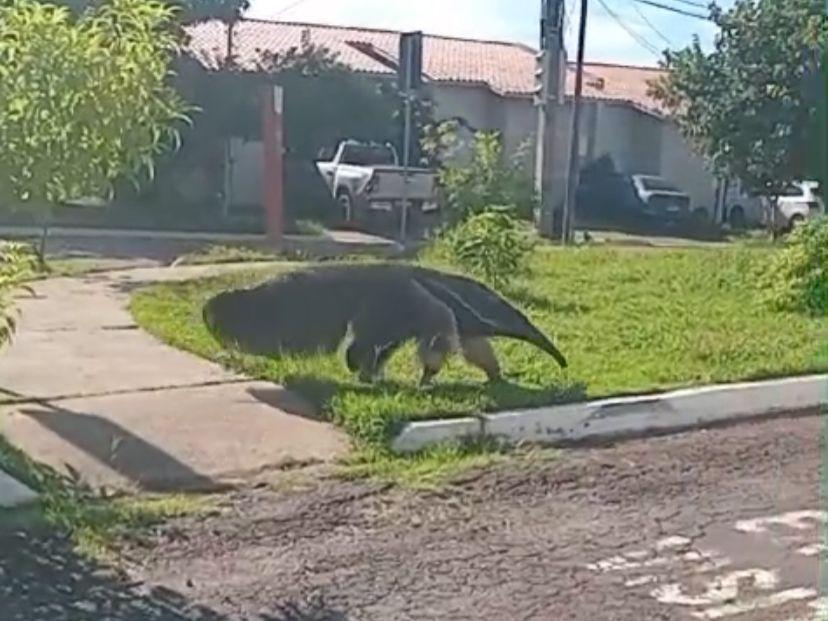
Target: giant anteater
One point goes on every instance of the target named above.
(383, 305)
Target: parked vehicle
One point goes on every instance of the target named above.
(742, 209)
(800, 202)
(367, 177)
(797, 204)
(611, 197)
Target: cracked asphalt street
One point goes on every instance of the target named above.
(719, 524)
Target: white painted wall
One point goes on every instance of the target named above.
(682, 166)
(638, 142)
(632, 138)
(475, 104)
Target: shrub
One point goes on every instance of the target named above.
(17, 263)
(797, 279)
(492, 245)
(488, 179)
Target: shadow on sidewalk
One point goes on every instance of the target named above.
(142, 463)
(42, 579)
(287, 401)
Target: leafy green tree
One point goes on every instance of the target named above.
(746, 106)
(187, 11)
(83, 102)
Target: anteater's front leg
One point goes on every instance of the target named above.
(478, 352)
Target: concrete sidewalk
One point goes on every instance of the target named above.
(83, 387)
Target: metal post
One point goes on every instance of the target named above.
(575, 135)
(406, 164)
(407, 94)
(227, 191)
(549, 99)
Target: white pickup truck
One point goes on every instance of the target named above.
(368, 176)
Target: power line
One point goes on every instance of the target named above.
(673, 9)
(700, 5)
(643, 42)
(650, 24)
(287, 8)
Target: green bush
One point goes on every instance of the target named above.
(17, 263)
(488, 179)
(797, 279)
(492, 245)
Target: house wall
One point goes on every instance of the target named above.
(632, 138)
(637, 142)
(686, 169)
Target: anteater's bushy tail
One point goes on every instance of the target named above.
(482, 312)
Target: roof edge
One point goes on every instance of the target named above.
(390, 31)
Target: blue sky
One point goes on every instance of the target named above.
(511, 20)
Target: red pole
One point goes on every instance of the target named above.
(272, 174)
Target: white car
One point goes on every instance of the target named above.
(801, 202)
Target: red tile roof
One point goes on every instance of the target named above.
(505, 68)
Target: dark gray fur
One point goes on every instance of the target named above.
(384, 305)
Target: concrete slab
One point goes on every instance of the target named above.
(77, 337)
(13, 493)
(185, 439)
(86, 391)
(40, 366)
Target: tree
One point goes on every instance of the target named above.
(746, 106)
(187, 11)
(83, 102)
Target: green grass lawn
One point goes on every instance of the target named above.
(628, 320)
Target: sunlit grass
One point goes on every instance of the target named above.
(628, 320)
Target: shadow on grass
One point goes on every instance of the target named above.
(391, 404)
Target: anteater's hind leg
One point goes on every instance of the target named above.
(478, 352)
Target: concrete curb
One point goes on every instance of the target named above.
(616, 418)
(13, 493)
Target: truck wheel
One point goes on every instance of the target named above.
(346, 204)
(796, 221)
(736, 218)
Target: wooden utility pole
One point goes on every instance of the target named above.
(272, 161)
(548, 96)
(572, 178)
